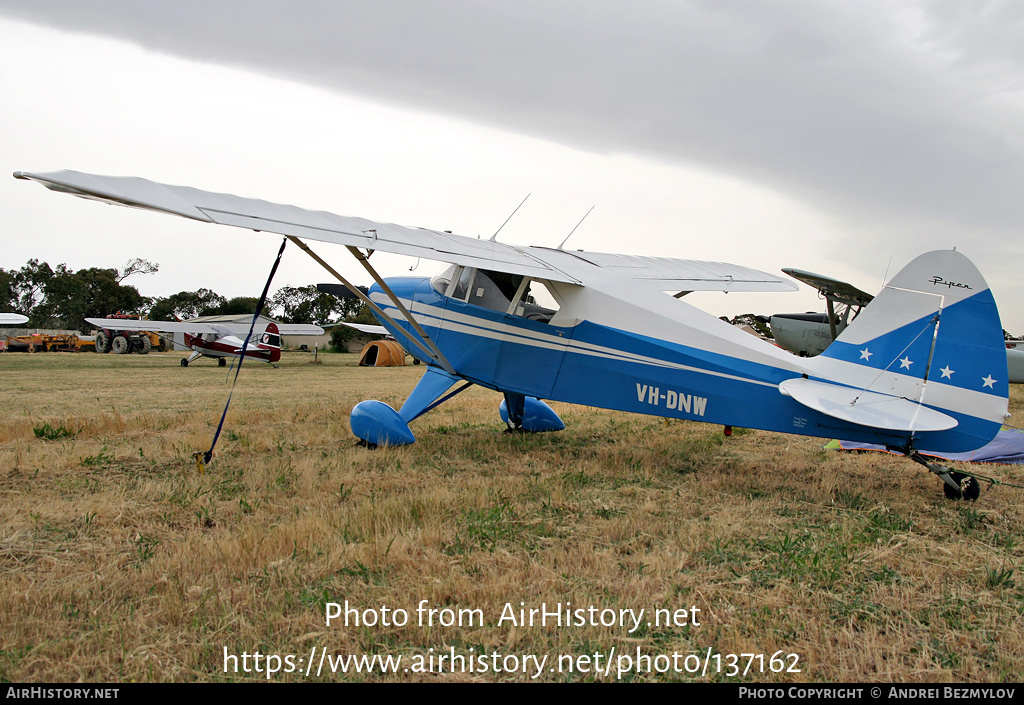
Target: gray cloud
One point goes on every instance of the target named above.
(900, 118)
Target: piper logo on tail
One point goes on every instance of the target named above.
(939, 281)
(671, 399)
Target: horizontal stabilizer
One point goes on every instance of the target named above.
(866, 408)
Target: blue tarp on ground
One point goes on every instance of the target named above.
(1007, 448)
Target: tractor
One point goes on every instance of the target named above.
(123, 342)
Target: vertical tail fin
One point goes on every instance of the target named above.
(271, 340)
(932, 336)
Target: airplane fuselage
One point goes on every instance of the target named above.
(663, 357)
(229, 346)
(804, 333)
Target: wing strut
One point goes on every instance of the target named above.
(422, 340)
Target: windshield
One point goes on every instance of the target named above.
(441, 281)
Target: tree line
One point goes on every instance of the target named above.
(61, 298)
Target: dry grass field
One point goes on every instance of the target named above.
(119, 561)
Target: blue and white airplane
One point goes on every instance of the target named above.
(923, 367)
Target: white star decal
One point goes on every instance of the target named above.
(906, 362)
(946, 372)
(865, 355)
(988, 382)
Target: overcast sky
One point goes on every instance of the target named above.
(840, 137)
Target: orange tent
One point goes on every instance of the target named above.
(382, 353)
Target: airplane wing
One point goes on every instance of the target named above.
(198, 327)
(668, 274)
(543, 263)
(12, 319)
(290, 220)
(833, 288)
(155, 326)
(298, 329)
(366, 328)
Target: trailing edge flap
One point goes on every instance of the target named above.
(866, 408)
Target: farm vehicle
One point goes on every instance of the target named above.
(42, 342)
(128, 341)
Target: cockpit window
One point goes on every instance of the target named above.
(494, 290)
(498, 291)
(535, 302)
(441, 281)
(462, 286)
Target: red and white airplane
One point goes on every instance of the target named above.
(219, 340)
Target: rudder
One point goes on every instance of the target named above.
(932, 336)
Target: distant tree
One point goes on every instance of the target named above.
(364, 315)
(340, 335)
(186, 305)
(70, 296)
(750, 319)
(308, 305)
(203, 302)
(8, 301)
(136, 265)
(28, 286)
(240, 305)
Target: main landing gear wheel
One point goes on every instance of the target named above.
(184, 362)
(221, 362)
(970, 489)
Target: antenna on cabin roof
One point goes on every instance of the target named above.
(574, 229)
(508, 219)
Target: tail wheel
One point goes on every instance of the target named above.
(969, 487)
(102, 343)
(120, 345)
(184, 362)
